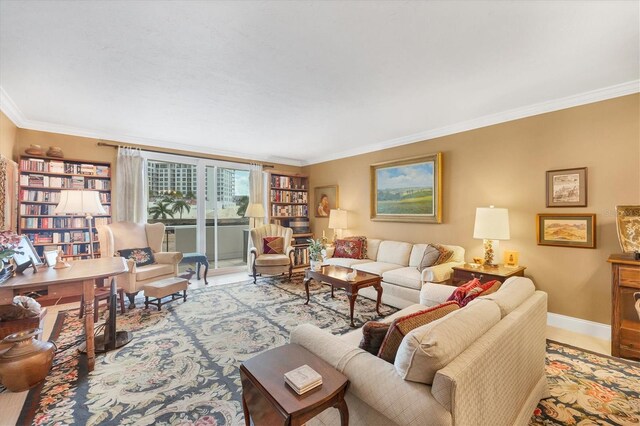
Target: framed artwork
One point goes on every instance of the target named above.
(628, 225)
(325, 199)
(51, 257)
(510, 258)
(567, 188)
(407, 190)
(566, 230)
(28, 252)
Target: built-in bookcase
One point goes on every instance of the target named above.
(289, 206)
(41, 180)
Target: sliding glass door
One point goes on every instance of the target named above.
(202, 203)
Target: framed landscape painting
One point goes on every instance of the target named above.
(567, 230)
(407, 190)
(567, 188)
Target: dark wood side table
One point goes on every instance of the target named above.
(270, 401)
(467, 272)
(625, 321)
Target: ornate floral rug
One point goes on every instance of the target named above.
(182, 366)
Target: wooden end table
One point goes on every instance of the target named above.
(268, 400)
(467, 272)
(336, 276)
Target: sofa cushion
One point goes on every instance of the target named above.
(377, 268)
(151, 271)
(273, 245)
(272, 260)
(345, 261)
(373, 333)
(351, 249)
(373, 245)
(400, 327)
(363, 240)
(404, 277)
(511, 294)
(142, 256)
(397, 252)
(428, 348)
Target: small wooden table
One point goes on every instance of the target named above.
(625, 324)
(336, 277)
(268, 400)
(467, 272)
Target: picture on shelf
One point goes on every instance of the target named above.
(27, 252)
(326, 198)
(567, 230)
(567, 188)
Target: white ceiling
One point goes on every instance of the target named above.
(303, 82)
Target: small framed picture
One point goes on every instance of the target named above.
(325, 199)
(50, 257)
(566, 230)
(567, 188)
(510, 258)
(28, 252)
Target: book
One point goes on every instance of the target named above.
(303, 379)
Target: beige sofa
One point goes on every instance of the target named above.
(496, 374)
(397, 262)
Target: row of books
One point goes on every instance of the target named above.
(278, 196)
(287, 182)
(67, 249)
(59, 222)
(46, 209)
(60, 237)
(300, 256)
(62, 167)
(74, 182)
(52, 196)
(277, 210)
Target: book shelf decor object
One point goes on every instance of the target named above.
(81, 202)
(289, 207)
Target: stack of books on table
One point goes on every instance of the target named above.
(303, 379)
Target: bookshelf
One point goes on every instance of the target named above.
(289, 206)
(41, 180)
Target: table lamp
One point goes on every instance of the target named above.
(80, 202)
(254, 211)
(337, 222)
(492, 224)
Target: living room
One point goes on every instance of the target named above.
(534, 92)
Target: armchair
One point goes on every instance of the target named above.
(128, 235)
(271, 263)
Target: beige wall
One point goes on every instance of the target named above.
(505, 165)
(7, 136)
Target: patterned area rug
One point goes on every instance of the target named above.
(182, 366)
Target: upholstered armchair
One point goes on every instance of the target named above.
(271, 264)
(128, 235)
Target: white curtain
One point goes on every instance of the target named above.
(256, 196)
(131, 205)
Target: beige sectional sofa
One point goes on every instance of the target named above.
(397, 262)
(482, 365)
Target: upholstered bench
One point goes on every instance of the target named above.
(163, 288)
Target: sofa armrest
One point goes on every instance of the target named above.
(432, 294)
(168, 257)
(373, 380)
(289, 250)
(330, 251)
(439, 273)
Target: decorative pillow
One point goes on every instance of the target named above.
(429, 258)
(445, 254)
(480, 290)
(373, 333)
(273, 245)
(363, 252)
(490, 287)
(351, 249)
(142, 256)
(461, 292)
(400, 327)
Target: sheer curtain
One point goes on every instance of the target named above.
(256, 196)
(131, 168)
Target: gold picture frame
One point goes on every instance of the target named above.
(566, 230)
(407, 190)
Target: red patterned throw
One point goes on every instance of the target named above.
(273, 245)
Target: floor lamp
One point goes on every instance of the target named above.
(80, 202)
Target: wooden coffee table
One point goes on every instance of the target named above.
(267, 400)
(336, 277)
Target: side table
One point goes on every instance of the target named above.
(267, 400)
(200, 260)
(467, 272)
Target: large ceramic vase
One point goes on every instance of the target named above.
(27, 362)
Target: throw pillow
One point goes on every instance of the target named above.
(363, 251)
(351, 249)
(461, 292)
(273, 245)
(142, 256)
(480, 290)
(403, 325)
(373, 333)
(445, 254)
(429, 258)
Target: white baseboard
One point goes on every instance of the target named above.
(577, 325)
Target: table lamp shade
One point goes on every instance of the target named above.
(491, 223)
(254, 210)
(337, 219)
(79, 202)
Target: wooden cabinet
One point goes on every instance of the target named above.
(625, 323)
(467, 272)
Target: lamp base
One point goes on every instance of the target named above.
(488, 253)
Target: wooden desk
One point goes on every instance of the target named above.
(82, 273)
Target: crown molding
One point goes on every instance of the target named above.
(597, 95)
(10, 109)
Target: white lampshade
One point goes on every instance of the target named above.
(338, 219)
(491, 224)
(79, 202)
(254, 210)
